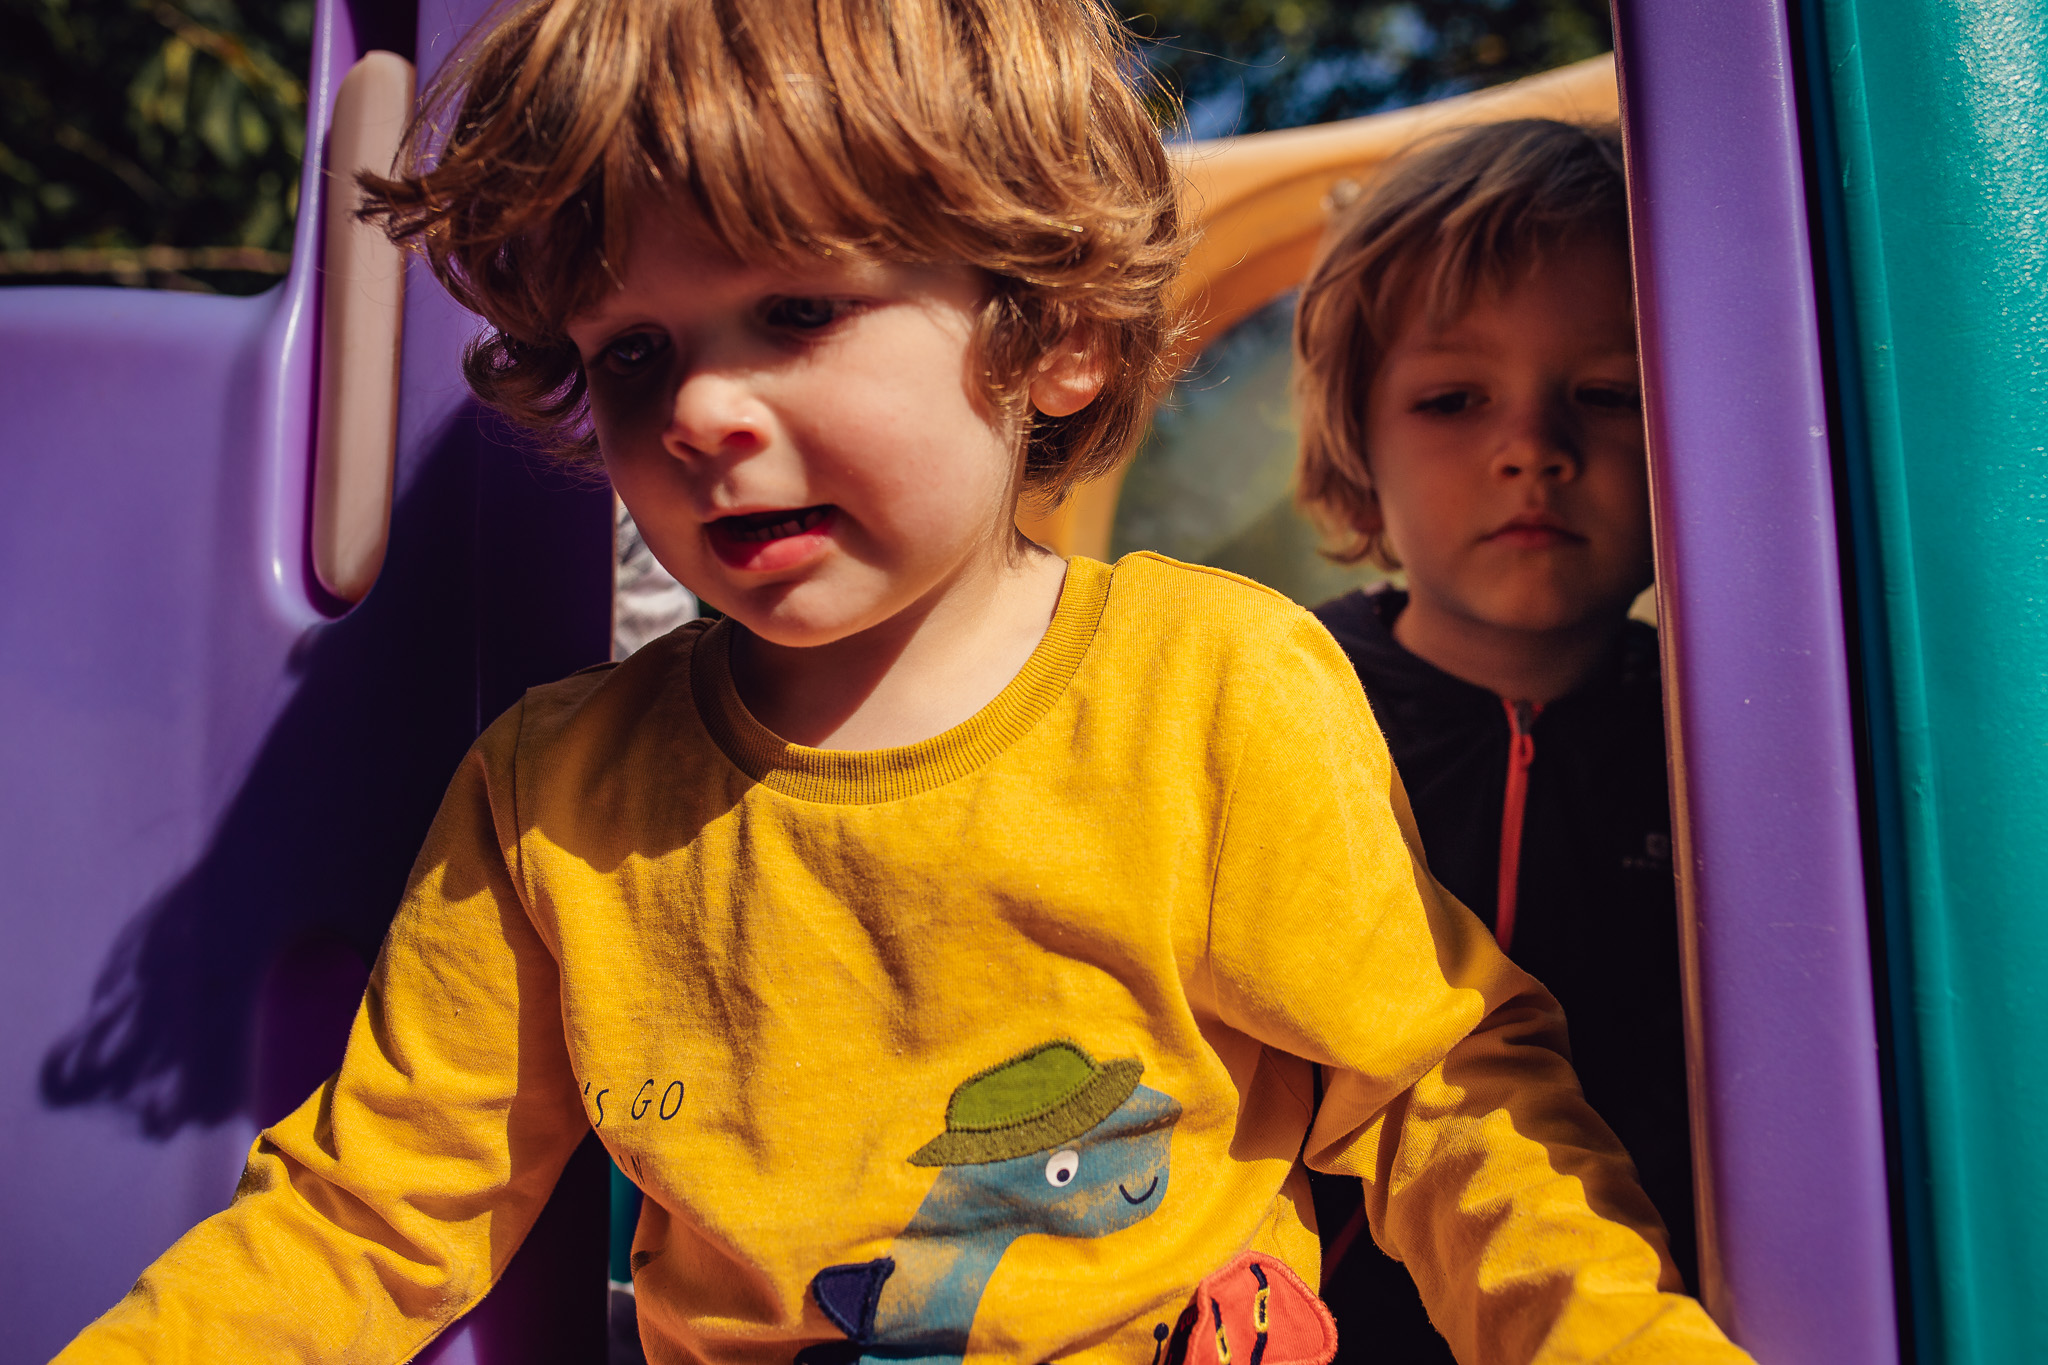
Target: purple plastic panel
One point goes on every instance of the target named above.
(152, 474)
(1795, 1237)
(113, 768)
(210, 793)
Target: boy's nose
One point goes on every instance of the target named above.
(714, 414)
(1540, 443)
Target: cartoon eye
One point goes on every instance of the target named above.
(1063, 1167)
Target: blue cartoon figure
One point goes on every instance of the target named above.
(1049, 1142)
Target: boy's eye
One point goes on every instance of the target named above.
(1615, 397)
(1447, 404)
(804, 314)
(631, 354)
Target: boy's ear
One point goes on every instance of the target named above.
(1367, 519)
(1069, 376)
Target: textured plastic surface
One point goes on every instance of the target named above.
(1788, 1129)
(1940, 179)
(210, 793)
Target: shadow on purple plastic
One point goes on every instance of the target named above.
(316, 843)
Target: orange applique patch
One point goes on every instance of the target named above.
(1254, 1311)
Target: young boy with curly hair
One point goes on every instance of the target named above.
(943, 938)
(1471, 413)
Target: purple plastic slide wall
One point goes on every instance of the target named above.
(210, 791)
(1795, 1237)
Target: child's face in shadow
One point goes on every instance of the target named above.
(804, 446)
(1507, 452)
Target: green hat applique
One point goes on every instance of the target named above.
(1037, 1100)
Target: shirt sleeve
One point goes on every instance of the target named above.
(389, 1203)
(1450, 1090)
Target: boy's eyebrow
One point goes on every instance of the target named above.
(1455, 345)
(1447, 346)
(601, 316)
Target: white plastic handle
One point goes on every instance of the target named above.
(362, 292)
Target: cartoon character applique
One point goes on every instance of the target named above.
(1051, 1141)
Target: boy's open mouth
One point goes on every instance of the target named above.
(766, 541)
(760, 526)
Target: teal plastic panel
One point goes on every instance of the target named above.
(1935, 188)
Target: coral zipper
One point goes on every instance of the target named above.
(1521, 753)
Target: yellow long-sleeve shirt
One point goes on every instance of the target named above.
(990, 1045)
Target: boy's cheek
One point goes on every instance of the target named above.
(620, 421)
(629, 407)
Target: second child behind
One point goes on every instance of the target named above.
(1471, 413)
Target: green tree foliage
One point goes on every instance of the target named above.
(151, 141)
(1244, 66)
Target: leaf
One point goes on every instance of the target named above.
(217, 122)
(253, 127)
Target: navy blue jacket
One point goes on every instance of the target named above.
(1595, 921)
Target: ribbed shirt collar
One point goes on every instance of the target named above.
(869, 776)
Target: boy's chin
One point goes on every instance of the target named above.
(788, 624)
(1552, 612)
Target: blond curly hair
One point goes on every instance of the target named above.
(1005, 135)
